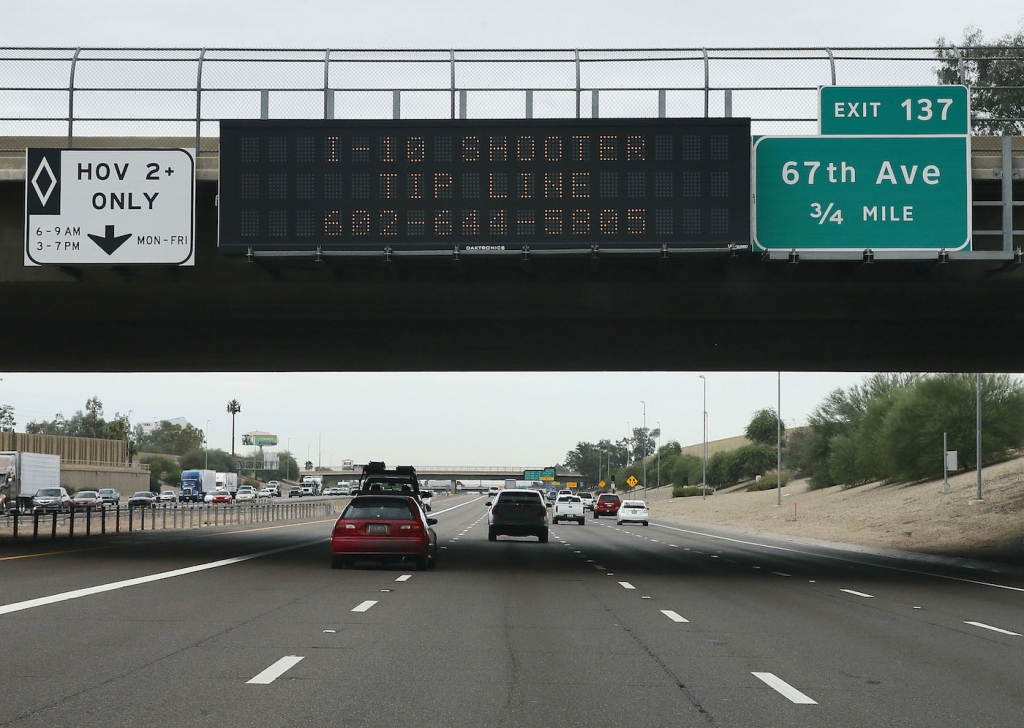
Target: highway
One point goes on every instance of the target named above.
(602, 626)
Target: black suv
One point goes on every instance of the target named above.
(378, 478)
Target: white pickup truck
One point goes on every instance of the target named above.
(569, 508)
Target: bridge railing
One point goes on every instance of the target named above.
(69, 94)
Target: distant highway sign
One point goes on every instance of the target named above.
(898, 193)
(545, 474)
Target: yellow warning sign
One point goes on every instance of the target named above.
(631, 481)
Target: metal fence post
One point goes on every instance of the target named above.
(595, 110)
(71, 523)
(451, 62)
(88, 521)
(199, 97)
(728, 103)
(71, 99)
(576, 55)
(17, 515)
(662, 103)
(117, 521)
(707, 82)
(529, 103)
(396, 104)
(131, 520)
(35, 526)
(328, 94)
(53, 529)
(265, 103)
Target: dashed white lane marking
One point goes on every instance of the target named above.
(364, 606)
(673, 545)
(674, 616)
(626, 585)
(783, 687)
(994, 629)
(779, 573)
(275, 671)
(88, 591)
(437, 513)
(857, 593)
(404, 577)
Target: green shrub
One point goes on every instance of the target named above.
(769, 481)
(685, 491)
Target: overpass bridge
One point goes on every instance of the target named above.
(656, 310)
(449, 472)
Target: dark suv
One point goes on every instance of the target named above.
(517, 513)
(607, 504)
(378, 478)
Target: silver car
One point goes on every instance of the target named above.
(51, 499)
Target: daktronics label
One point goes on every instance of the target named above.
(484, 185)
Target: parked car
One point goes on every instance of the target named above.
(51, 499)
(110, 496)
(632, 511)
(588, 499)
(517, 513)
(142, 499)
(384, 528)
(607, 505)
(245, 493)
(167, 496)
(86, 499)
(217, 496)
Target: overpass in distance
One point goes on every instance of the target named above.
(447, 472)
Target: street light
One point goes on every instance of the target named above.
(704, 476)
(659, 456)
(644, 451)
(778, 465)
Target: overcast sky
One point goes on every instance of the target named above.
(463, 419)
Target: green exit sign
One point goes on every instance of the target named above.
(884, 110)
(897, 193)
(545, 474)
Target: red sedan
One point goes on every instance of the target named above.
(385, 528)
(607, 504)
(218, 496)
(87, 499)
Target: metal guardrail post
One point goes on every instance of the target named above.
(88, 521)
(53, 528)
(71, 99)
(328, 94)
(35, 526)
(131, 520)
(451, 62)
(576, 55)
(17, 515)
(164, 525)
(103, 520)
(117, 521)
(71, 523)
(707, 82)
(199, 97)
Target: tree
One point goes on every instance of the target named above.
(163, 471)
(170, 438)
(993, 70)
(763, 427)
(7, 423)
(195, 458)
(308, 465)
(82, 424)
(93, 421)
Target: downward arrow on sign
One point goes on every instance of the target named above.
(109, 242)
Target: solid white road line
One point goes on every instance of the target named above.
(404, 577)
(857, 593)
(364, 606)
(674, 616)
(89, 591)
(626, 585)
(994, 629)
(275, 671)
(784, 687)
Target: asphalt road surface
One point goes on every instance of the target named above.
(602, 626)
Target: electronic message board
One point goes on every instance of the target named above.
(428, 186)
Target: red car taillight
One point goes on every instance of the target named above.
(344, 529)
(414, 527)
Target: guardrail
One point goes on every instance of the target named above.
(90, 521)
(143, 93)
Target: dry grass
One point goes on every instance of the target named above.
(905, 516)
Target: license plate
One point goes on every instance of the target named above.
(377, 528)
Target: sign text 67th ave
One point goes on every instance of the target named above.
(855, 193)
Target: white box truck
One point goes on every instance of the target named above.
(24, 473)
(228, 482)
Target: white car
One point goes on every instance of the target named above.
(588, 500)
(265, 493)
(245, 493)
(632, 510)
(341, 490)
(167, 496)
(426, 497)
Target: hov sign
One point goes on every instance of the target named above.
(110, 207)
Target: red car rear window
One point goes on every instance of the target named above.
(612, 498)
(395, 509)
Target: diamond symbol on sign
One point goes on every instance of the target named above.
(44, 166)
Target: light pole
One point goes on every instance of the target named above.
(206, 442)
(644, 451)
(704, 476)
(127, 435)
(319, 451)
(233, 409)
(977, 397)
(659, 456)
(778, 466)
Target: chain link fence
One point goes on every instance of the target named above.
(66, 97)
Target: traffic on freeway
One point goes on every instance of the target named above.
(607, 624)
